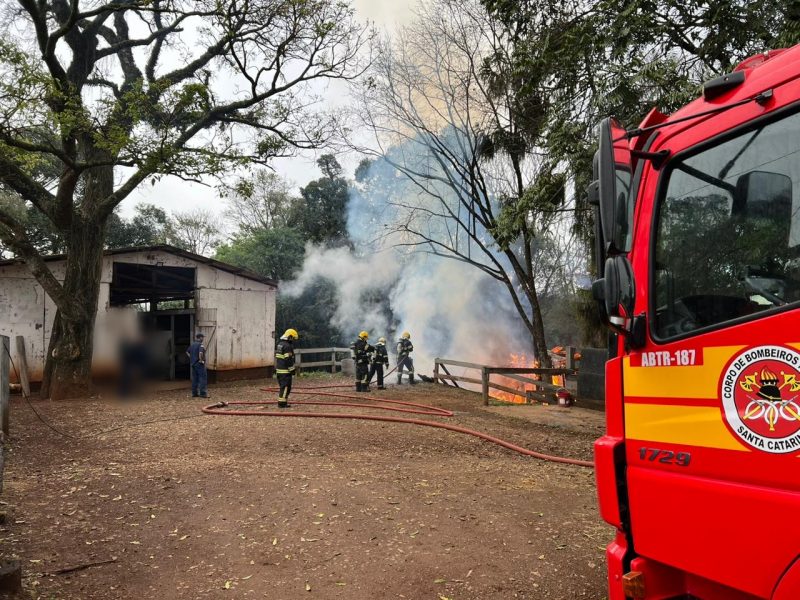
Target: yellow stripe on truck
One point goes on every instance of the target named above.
(688, 425)
(699, 381)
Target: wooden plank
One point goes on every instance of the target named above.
(448, 372)
(317, 363)
(461, 378)
(23, 367)
(516, 392)
(5, 378)
(458, 363)
(536, 382)
(485, 382)
(528, 370)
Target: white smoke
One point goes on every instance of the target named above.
(353, 276)
(452, 309)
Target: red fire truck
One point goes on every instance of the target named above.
(699, 239)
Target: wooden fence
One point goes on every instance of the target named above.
(541, 388)
(332, 363)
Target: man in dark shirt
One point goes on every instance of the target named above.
(361, 351)
(404, 350)
(380, 360)
(284, 365)
(197, 363)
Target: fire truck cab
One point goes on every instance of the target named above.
(699, 254)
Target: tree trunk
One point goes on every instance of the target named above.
(69, 357)
(68, 365)
(539, 340)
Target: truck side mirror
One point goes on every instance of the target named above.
(617, 293)
(614, 171)
(762, 194)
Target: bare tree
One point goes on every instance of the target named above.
(118, 92)
(261, 202)
(198, 231)
(443, 118)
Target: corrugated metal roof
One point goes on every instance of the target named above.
(247, 274)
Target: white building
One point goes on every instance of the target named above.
(174, 294)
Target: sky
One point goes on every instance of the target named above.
(174, 194)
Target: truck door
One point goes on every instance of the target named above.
(712, 399)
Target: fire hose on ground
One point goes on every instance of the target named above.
(385, 404)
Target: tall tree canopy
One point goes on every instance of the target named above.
(118, 92)
(321, 212)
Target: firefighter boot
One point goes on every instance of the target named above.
(365, 388)
(399, 379)
(358, 386)
(283, 403)
(411, 379)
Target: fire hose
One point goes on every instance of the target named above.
(385, 404)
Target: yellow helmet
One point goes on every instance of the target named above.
(406, 335)
(363, 335)
(382, 340)
(291, 333)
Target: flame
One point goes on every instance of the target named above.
(768, 377)
(517, 361)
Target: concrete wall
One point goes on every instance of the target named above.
(236, 314)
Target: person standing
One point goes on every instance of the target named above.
(361, 351)
(380, 360)
(284, 365)
(404, 350)
(197, 363)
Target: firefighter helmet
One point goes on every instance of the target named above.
(382, 340)
(363, 335)
(406, 335)
(291, 334)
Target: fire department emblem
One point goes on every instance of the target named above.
(760, 392)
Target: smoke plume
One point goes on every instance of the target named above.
(452, 309)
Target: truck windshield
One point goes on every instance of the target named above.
(728, 232)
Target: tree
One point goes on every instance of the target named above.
(147, 85)
(276, 253)
(197, 231)
(150, 226)
(582, 61)
(261, 202)
(479, 192)
(321, 213)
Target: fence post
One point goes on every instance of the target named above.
(23, 366)
(436, 371)
(333, 360)
(298, 359)
(485, 380)
(5, 344)
(571, 357)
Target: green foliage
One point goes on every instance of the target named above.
(544, 198)
(321, 212)
(276, 253)
(310, 314)
(150, 226)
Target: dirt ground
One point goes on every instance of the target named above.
(259, 507)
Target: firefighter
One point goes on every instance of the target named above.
(284, 365)
(197, 361)
(380, 359)
(361, 351)
(404, 350)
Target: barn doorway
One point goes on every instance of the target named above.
(164, 298)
